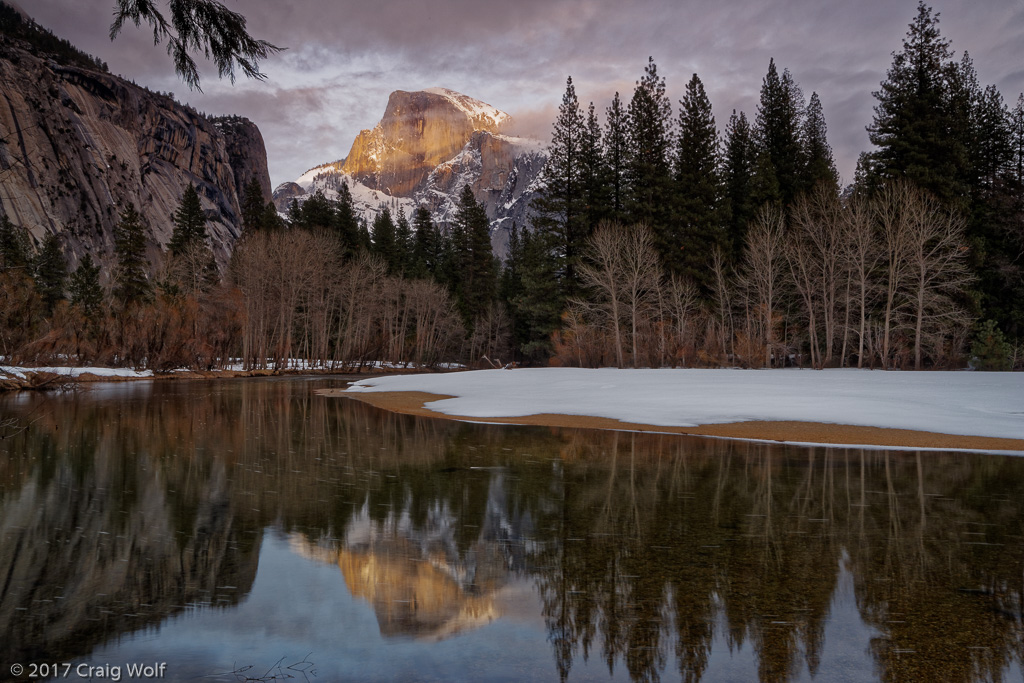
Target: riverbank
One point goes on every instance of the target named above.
(17, 378)
(929, 410)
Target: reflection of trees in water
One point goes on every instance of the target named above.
(643, 546)
(753, 536)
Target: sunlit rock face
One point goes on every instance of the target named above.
(419, 131)
(79, 145)
(428, 146)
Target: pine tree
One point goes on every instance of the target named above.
(593, 174)
(194, 266)
(317, 212)
(697, 231)
(295, 214)
(86, 292)
(648, 171)
(538, 307)
(15, 246)
(510, 286)
(913, 125)
(616, 152)
(271, 219)
(993, 154)
(131, 283)
(426, 245)
(777, 132)
(384, 243)
(476, 285)
(1015, 123)
(51, 272)
(403, 243)
(559, 209)
(364, 242)
(253, 206)
(739, 164)
(345, 221)
(819, 165)
(189, 222)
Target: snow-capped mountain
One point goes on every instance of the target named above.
(428, 145)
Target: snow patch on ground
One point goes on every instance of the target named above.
(965, 403)
(21, 372)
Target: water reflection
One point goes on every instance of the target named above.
(653, 556)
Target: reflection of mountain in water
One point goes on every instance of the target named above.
(416, 578)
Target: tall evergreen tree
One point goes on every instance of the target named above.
(593, 173)
(384, 243)
(189, 222)
(648, 170)
(476, 284)
(295, 214)
(992, 123)
(739, 164)
(131, 283)
(195, 268)
(819, 165)
(51, 272)
(15, 246)
(426, 249)
(559, 209)
(616, 152)
(271, 219)
(317, 212)
(539, 305)
(364, 242)
(777, 130)
(85, 288)
(253, 206)
(1016, 130)
(913, 125)
(691, 239)
(345, 221)
(510, 286)
(403, 243)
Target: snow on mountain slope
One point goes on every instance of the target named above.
(475, 109)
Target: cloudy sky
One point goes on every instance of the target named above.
(344, 57)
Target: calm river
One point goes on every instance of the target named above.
(252, 530)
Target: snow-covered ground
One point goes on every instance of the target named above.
(966, 403)
(20, 372)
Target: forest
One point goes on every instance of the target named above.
(657, 240)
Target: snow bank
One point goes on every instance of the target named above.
(965, 403)
(20, 372)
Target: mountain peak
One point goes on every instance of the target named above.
(473, 108)
(419, 131)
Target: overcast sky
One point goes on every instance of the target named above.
(344, 57)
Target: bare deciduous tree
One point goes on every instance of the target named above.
(763, 276)
(814, 254)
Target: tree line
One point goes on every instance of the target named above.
(749, 231)
(313, 286)
(655, 240)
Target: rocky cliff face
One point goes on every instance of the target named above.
(426, 148)
(77, 145)
(419, 131)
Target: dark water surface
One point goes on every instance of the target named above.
(216, 526)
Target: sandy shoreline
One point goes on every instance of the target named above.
(412, 403)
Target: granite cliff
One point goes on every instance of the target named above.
(77, 144)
